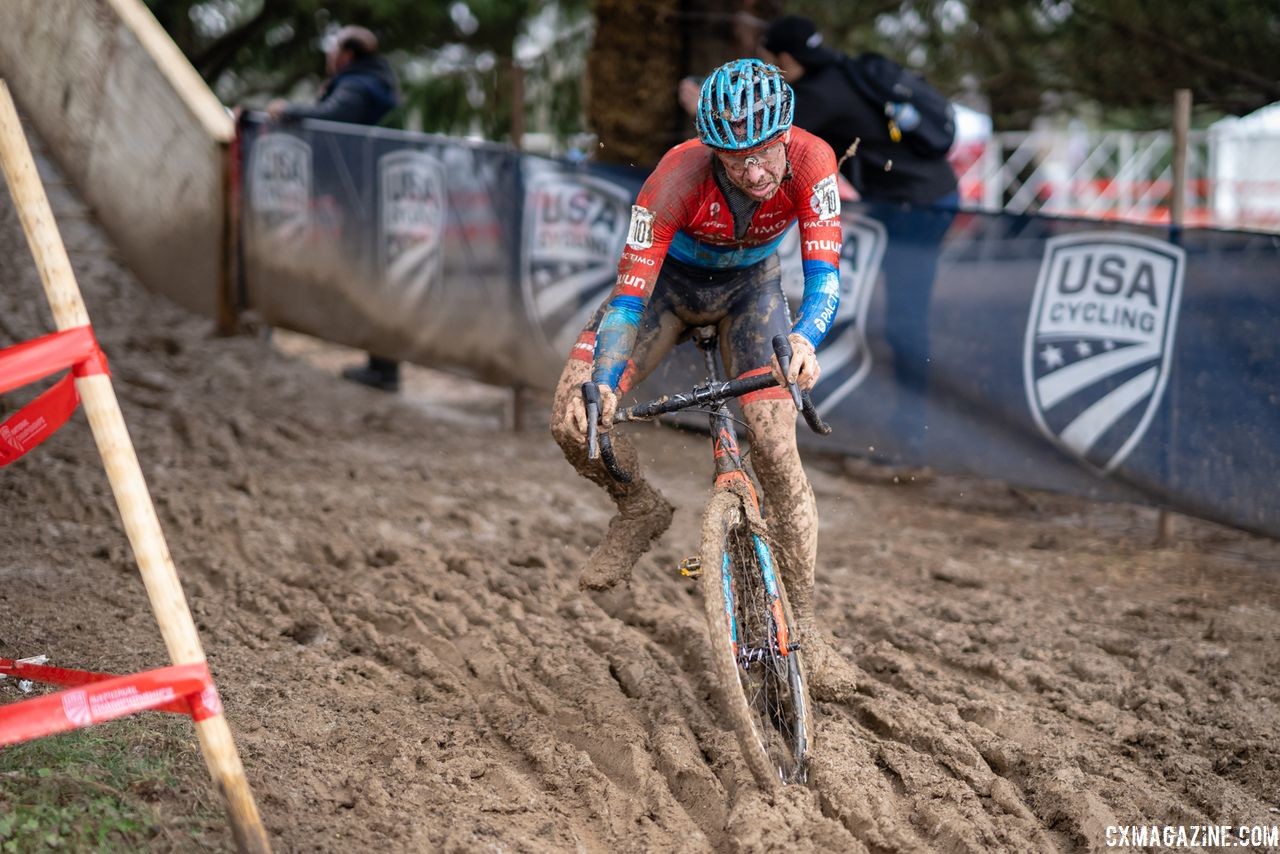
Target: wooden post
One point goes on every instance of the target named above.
(1177, 217)
(112, 437)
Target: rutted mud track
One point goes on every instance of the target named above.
(389, 602)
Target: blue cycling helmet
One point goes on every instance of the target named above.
(744, 104)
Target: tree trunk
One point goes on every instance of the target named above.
(642, 48)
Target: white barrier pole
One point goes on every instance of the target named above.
(109, 432)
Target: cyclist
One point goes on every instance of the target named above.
(700, 251)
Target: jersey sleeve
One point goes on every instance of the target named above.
(655, 218)
(818, 211)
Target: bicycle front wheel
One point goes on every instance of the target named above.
(758, 666)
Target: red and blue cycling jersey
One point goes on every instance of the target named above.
(682, 212)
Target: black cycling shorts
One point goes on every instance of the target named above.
(746, 305)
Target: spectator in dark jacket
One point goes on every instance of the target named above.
(913, 196)
(361, 89)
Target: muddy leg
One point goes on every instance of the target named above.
(792, 515)
(643, 514)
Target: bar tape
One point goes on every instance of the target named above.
(33, 360)
(93, 698)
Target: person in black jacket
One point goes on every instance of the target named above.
(913, 196)
(361, 89)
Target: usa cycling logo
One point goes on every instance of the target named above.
(411, 220)
(280, 184)
(1099, 341)
(574, 230)
(843, 355)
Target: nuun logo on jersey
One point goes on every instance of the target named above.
(821, 245)
(640, 231)
(280, 184)
(1099, 341)
(843, 354)
(411, 220)
(633, 284)
(574, 229)
(825, 200)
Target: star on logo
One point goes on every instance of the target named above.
(1108, 345)
(1083, 349)
(1052, 357)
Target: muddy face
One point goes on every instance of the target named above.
(758, 174)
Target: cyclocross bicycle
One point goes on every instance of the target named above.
(758, 664)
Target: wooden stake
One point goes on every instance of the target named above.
(1177, 216)
(121, 462)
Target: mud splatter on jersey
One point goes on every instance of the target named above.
(682, 212)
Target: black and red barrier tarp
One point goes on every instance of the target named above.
(34, 360)
(94, 698)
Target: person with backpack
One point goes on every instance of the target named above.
(902, 128)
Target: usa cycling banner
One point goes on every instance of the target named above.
(401, 244)
(1103, 359)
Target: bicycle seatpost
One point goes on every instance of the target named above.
(782, 349)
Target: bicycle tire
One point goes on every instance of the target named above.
(766, 699)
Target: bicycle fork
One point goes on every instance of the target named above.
(728, 462)
(779, 634)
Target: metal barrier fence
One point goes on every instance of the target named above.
(1233, 180)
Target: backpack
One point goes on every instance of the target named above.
(916, 113)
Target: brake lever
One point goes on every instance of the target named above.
(591, 396)
(782, 349)
(598, 444)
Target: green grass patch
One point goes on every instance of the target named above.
(134, 783)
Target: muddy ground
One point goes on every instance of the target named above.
(386, 587)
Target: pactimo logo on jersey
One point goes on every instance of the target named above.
(843, 355)
(1099, 340)
(574, 228)
(411, 221)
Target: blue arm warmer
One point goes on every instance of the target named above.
(821, 299)
(615, 338)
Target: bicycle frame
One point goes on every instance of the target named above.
(729, 470)
(727, 455)
(714, 393)
(762, 640)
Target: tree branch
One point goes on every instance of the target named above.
(1162, 40)
(218, 55)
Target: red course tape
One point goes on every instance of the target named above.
(38, 420)
(33, 360)
(23, 364)
(97, 697)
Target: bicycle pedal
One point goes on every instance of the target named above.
(691, 567)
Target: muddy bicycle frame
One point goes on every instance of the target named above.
(713, 397)
(715, 393)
